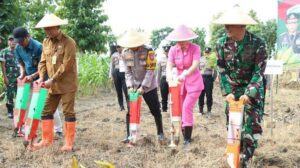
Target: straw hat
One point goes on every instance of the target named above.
(50, 20)
(181, 33)
(132, 38)
(235, 16)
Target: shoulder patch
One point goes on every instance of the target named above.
(150, 61)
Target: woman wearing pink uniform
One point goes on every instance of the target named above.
(185, 56)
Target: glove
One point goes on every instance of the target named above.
(229, 97)
(245, 99)
(168, 76)
(183, 75)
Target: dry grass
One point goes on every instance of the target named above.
(101, 127)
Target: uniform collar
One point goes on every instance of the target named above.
(246, 37)
(57, 38)
(30, 44)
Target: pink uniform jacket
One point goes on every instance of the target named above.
(192, 82)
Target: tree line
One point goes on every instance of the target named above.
(87, 24)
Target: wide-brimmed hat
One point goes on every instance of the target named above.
(181, 33)
(51, 20)
(132, 38)
(235, 16)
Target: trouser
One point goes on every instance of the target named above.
(208, 91)
(120, 85)
(188, 101)
(11, 92)
(52, 102)
(164, 91)
(151, 99)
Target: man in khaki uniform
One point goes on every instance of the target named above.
(59, 62)
(140, 76)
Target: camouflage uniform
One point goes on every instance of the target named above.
(12, 72)
(241, 67)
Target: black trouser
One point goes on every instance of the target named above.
(164, 91)
(120, 84)
(208, 90)
(151, 99)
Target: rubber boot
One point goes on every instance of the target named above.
(47, 135)
(187, 135)
(70, 127)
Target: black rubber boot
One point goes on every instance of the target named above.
(188, 135)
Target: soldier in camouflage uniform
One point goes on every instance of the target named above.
(241, 61)
(140, 76)
(10, 71)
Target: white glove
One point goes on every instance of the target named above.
(183, 75)
(169, 76)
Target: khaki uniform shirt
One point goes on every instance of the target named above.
(136, 73)
(59, 62)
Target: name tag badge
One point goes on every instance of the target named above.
(54, 58)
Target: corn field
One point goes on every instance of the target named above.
(92, 73)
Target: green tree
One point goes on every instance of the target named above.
(216, 31)
(158, 35)
(265, 30)
(40, 8)
(269, 29)
(200, 40)
(86, 23)
(11, 16)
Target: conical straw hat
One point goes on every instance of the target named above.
(181, 33)
(235, 16)
(50, 20)
(132, 38)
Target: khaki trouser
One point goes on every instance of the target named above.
(52, 102)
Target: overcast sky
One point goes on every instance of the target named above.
(155, 14)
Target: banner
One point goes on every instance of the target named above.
(288, 33)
